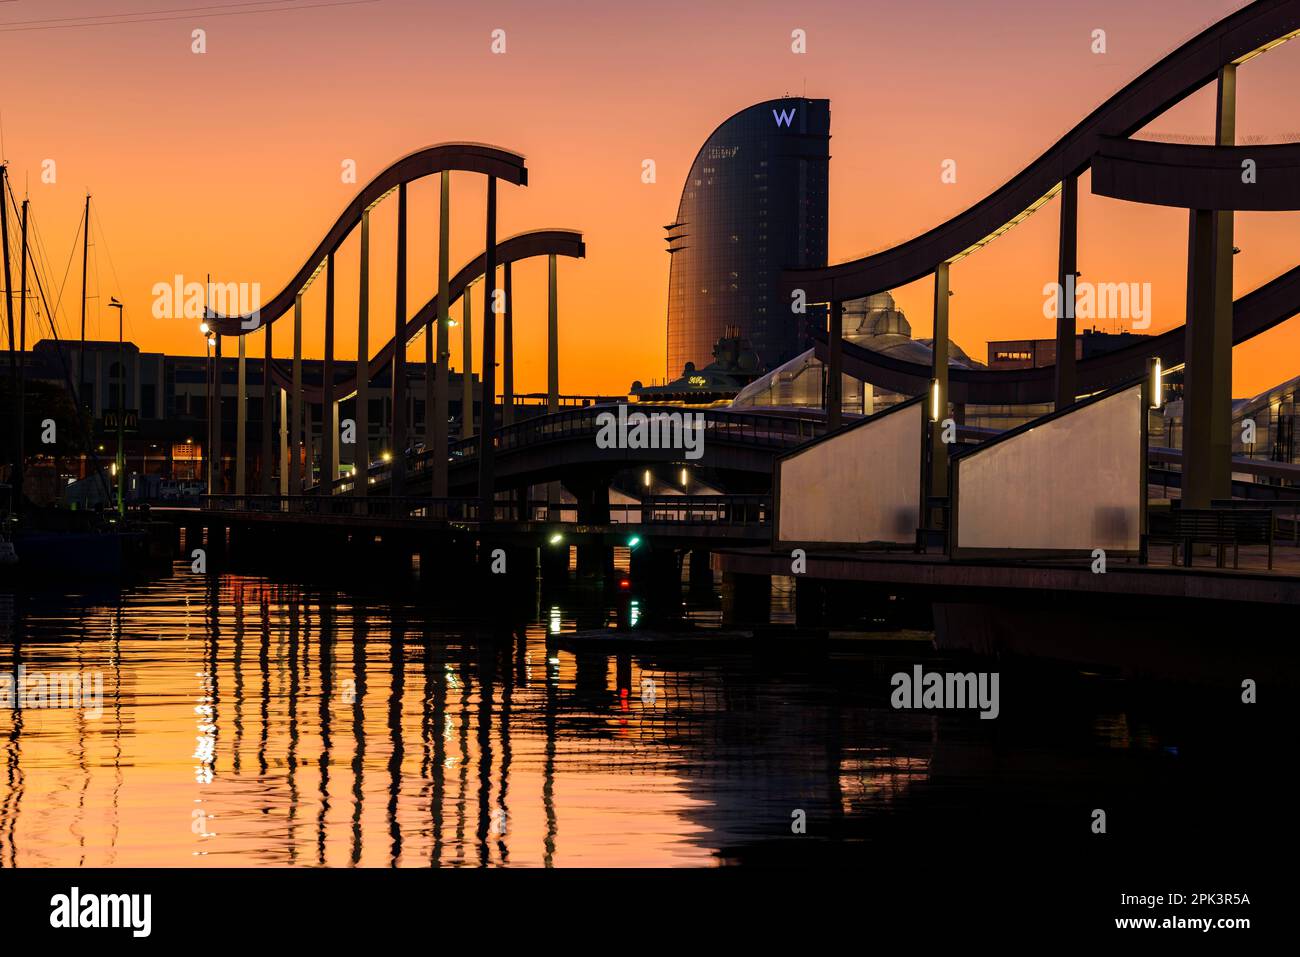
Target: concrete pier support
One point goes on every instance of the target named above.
(361, 451)
(809, 602)
(555, 565)
(1207, 397)
(241, 419)
(700, 575)
(746, 599)
(441, 380)
(521, 568)
(592, 494)
(1067, 379)
(656, 574)
(595, 561)
(448, 565)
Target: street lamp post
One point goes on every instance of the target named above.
(121, 411)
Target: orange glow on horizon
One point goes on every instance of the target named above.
(228, 162)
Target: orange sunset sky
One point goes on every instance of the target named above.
(228, 162)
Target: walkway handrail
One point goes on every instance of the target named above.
(370, 506)
(769, 429)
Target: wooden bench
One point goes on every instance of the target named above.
(1220, 527)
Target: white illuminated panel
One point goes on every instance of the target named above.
(1074, 483)
(862, 485)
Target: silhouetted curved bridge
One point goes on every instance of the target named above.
(529, 245)
(1255, 312)
(1211, 182)
(442, 157)
(562, 444)
(1233, 40)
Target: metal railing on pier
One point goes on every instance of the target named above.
(350, 506)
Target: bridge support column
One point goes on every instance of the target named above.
(655, 573)
(361, 451)
(267, 485)
(592, 494)
(209, 371)
(441, 381)
(218, 473)
(295, 404)
(488, 378)
(595, 561)
(241, 419)
(700, 575)
(284, 442)
(552, 337)
(835, 367)
(334, 448)
(215, 543)
(746, 599)
(329, 435)
(1067, 379)
(508, 353)
(447, 564)
(553, 497)
(937, 475)
(555, 565)
(521, 568)
(309, 444)
(1207, 399)
(809, 602)
(467, 359)
(398, 391)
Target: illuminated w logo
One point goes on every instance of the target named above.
(783, 118)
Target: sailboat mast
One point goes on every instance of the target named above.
(81, 354)
(21, 374)
(9, 312)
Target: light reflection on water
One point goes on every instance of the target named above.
(246, 722)
(249, 722)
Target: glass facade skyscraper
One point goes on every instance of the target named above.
(755, 202)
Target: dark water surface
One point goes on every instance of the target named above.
(246, 722)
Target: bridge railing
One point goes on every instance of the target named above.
(773, 430)
(778, 430)
(350, 506)
(706, 509)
